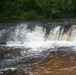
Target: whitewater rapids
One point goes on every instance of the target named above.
(39, 37)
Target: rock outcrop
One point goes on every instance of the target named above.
(4, 48)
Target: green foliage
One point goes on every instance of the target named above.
(29, 15)
(37, 9)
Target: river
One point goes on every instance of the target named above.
(29, 46)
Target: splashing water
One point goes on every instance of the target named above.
(38, 40)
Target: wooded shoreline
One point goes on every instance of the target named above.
(38, 20)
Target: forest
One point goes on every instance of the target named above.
(37, 9)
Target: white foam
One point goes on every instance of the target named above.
(44, 45)
(36, 39)
(6, 69)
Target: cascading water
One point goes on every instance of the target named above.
(42, 37)
(33, 41)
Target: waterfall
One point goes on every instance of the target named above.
(40, 36)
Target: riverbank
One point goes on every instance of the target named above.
(41, 20)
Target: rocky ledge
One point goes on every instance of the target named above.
(4, 48)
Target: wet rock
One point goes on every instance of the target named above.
(2, 43)
(15, 73)
(4, 48)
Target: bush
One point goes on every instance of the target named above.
(29, 15)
